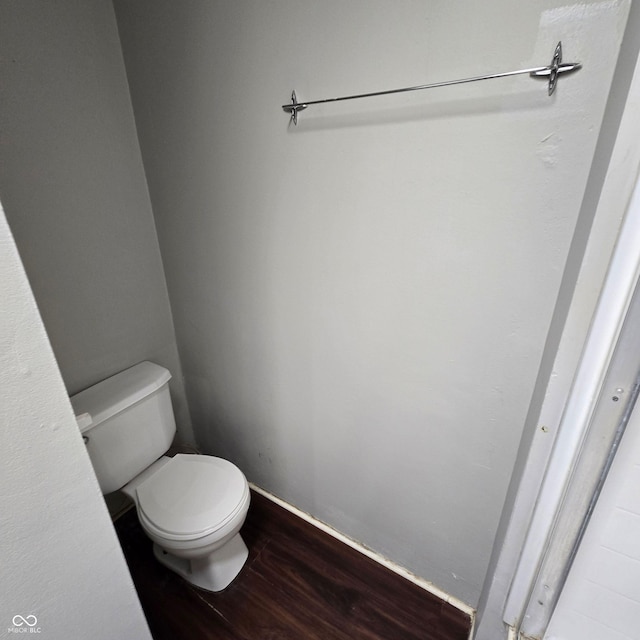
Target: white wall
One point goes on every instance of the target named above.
(362, 302)
(73, 186)
(61, 561)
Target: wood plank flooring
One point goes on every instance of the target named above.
(299, 583)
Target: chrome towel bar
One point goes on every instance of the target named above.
(552, 71)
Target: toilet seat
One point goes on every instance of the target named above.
(191, 497)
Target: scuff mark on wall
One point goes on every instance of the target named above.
(549, 149)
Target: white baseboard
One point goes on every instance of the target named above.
(396, 568)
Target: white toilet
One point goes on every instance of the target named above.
(191, 506)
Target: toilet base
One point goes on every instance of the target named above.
(214, 572)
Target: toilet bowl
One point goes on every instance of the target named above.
(191, 506)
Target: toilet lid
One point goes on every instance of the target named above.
(192, 494)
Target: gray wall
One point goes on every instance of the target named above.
(362, 302)
(75, 194)
(61, 561)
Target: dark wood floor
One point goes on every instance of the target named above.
(299, 583)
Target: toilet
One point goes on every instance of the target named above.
(191, 506)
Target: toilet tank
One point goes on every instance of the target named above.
(130, 422)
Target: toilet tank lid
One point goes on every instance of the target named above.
(111, 396)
